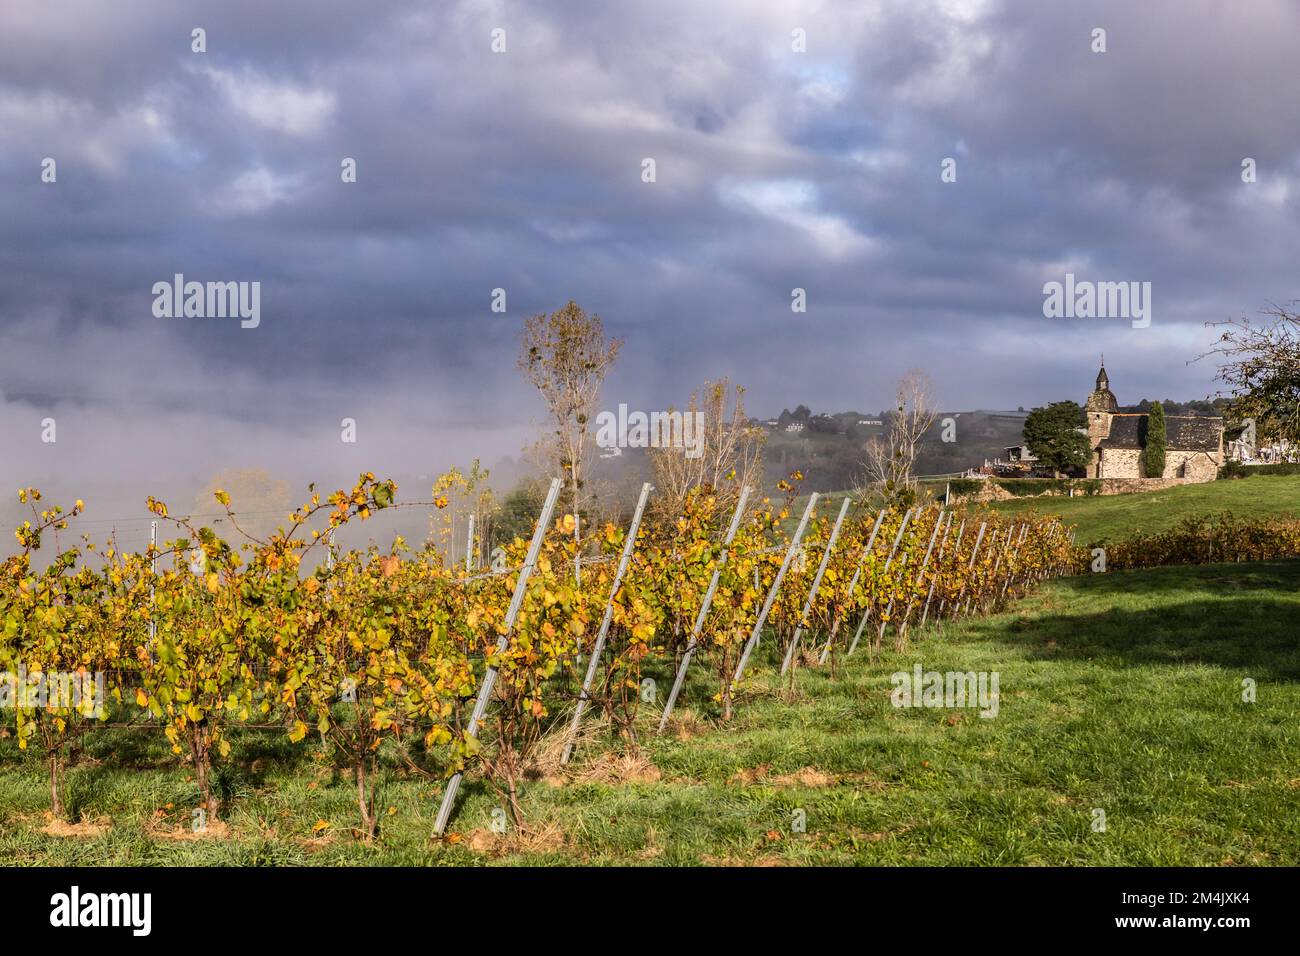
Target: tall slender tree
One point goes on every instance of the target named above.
(1153, 454)
(566, 356)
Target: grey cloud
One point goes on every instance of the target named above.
(522, 171)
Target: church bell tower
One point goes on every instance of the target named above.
(1101, 405)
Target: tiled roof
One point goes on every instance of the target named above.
(1182, 432)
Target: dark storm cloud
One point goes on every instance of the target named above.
(522, 170)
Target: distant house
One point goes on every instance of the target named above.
(1019, 453)
(794, 427)
(869, 421)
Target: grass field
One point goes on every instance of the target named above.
(1111, 517)
(1120, 692)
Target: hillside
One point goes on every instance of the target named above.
(829, 450)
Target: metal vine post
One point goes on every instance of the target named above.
(853, 583)
(629, 546)
(920, 577)
(907, 516)
(816, 583)
(490, 676)
(956, 605)
(704, 610)
(943, 543)
(956, 551)
(772, 591)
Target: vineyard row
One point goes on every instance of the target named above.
(453, 669)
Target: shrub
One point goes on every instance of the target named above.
(1033, 487)
(1235, 469)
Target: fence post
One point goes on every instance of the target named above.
(469, 544)
(628, 546)
(153, 570)
(857, 573)
(704, 610)
(812, 592)
(490, 675)
(907, 516)
(774, 589)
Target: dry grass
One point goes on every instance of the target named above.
(86, 828)
(621, 768)
(544, 757)
(546, 838)
(215, 830)
(809, 777)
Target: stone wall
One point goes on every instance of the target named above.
(1192, 465)
(1109, 486)
(1128, 486)
(1121, 463)
(1126, 464)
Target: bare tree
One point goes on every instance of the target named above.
(566, 356)
(890, 460)
(1261, 370)
(730, 452)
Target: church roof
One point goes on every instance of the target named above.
(1182, 432)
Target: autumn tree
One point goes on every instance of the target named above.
(727, 456)
(1261, 369)
(566, 356)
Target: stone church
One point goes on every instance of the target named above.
(1194, 445)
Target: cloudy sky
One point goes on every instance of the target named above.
(522, 170)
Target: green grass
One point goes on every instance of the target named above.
(1120, 692)
(1112, 517)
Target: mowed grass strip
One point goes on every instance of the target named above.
(1101, 518)
(1119, 693)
